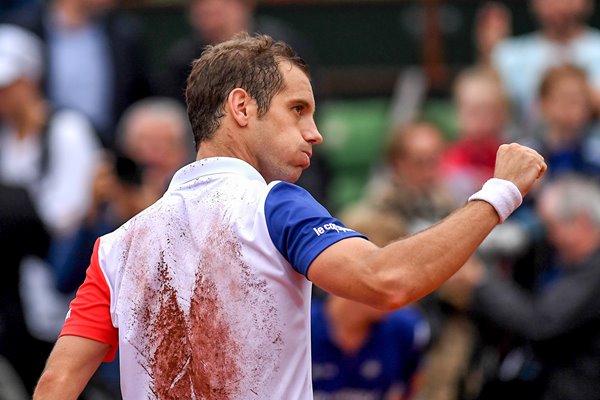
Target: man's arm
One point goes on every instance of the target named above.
(71, 364)
(404, 271)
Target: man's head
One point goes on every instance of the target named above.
(20, 69)
(492, 24)
(154, 132)
(482, 104)
(253, 96)
(562, 18)
(565, 100)
(570, 210)
(415, 154)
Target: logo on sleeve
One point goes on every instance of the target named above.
(330, 227)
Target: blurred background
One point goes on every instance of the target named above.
(413, 99)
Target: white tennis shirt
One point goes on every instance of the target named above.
(205, 291)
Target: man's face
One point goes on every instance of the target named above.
(419, 165)
(481, 109)
(563, 233)
(282, 140)
(156, 142)
(13, 99)
(567, 107)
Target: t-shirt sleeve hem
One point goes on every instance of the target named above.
(320, 247)
(112, 352)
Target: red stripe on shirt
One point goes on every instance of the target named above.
(89, 314)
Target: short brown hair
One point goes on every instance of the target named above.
(555, 74)
(247, 62)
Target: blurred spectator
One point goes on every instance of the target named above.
(214, 21)
(568, 139)
(492, 24)
(155, 143)
(52, 154)
(410, 189)
(119, 194)
(361, 352)
(156, 134)
(482, 113)
(93, 57)
(22, 234)
(559, 321)
(563, 37)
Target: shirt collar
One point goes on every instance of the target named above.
(213, 166)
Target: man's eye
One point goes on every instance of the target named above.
(298, 109)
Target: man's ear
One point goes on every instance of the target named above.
(239, 105)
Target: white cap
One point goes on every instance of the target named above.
(20, 55)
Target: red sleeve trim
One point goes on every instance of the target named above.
(89, 314)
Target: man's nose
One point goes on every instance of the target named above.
(312, 134)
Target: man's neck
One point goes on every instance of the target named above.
(565, 36)
(221, 146)
(70, 13)
(348, 330)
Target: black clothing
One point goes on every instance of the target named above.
(561, 323)
(21, 234)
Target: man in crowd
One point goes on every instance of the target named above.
(93, 57)
(563, 37)
(559, 319)
(50, 153)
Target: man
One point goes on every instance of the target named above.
(563, 37)
(52, 154)
(215, 21)
(37, 143)
(413, 191)
(93, 57)
(205, 291)
(560, 320)
(359, 352)
(155, 133)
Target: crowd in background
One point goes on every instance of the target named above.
(89, 137)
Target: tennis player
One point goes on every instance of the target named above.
(206, 294)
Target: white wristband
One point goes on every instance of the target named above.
(503, 195)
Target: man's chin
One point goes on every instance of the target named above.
(294, 175)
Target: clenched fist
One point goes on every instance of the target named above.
(520, 165)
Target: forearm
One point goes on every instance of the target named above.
(57, 385)
(71, 364)
(407, 270)
(404, 271)
(414, 267)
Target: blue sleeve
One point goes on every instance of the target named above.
(299, 226)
